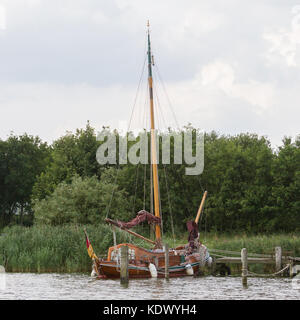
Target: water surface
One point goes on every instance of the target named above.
(80, 286)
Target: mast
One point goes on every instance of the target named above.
(153, 142)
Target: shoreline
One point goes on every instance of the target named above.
(62, 249)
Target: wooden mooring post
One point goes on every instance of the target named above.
(291, 269)
(166, 261)
(202, 253)
(278, 259)
(114, 235)
(244, 259)
(124, 275)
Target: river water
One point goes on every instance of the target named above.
(80, 286)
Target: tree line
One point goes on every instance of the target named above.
(251, 187)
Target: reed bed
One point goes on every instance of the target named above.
(53, 248)
(63, 248)
(257, 244)
(261, 244)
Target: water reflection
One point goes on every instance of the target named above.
(80, 286)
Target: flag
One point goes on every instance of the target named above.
(89, 247)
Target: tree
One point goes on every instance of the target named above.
(84, 200)
(22, 159)
(71, 154)
(285, 201)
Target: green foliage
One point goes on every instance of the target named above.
(43, 248)
(71, 154)
(84, 200)
(53, 248)
(22, 160)
(251, 187)
(285, 203)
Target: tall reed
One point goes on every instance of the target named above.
(53, 248)
(63, 249)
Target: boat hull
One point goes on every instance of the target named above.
(138, 267)
(109, 270)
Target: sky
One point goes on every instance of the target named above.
(230, 66)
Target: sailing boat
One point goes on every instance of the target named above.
(143, 263)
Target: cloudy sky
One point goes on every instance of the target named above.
(231, 66)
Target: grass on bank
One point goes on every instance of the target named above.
(63, 248)
(53, 248)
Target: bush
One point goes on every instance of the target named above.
(83, 201)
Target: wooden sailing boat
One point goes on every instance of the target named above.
(144, 263)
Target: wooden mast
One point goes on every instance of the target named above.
(201, 207)
(153, 143)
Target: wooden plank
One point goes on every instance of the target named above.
(238, 253)
(250, 260)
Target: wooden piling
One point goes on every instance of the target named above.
(124, 276)
(278, 258)
(202, 253)
(213, 267)
(166, 261)
(291, 269)
(244, 259)
(114, 235)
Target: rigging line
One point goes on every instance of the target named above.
(113, 191)
(145, 176)
(199, 181)
(138, 88)
(205, 228)
(158, 156)
(159, 107)
(170, 207)
(146, 147)
(160, 116)
(144, 120)
(168, 99)
(142, 109)
(129, 124)
(136, 183)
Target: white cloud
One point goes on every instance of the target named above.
(209, 54)
(285, 42)
(48, 110)
(222, 76)
(2, 17)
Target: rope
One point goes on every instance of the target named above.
(170, 208)
(165, 91)
(145, 172)
(136, 183)
(258, 255)
(217, 255)
(250, 273)
(137, 91)
(112, 194)
(129, 124)
(199, 180)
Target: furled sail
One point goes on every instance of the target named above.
(142, 216)
(192, 227)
